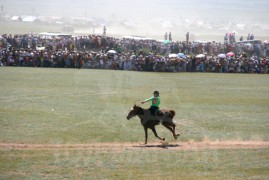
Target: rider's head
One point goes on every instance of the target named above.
(156, 93)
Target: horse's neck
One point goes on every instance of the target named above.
(143, 113)
(140, 112)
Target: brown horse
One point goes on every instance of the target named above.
(165, 117)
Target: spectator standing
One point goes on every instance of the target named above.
(187, 38)
(104, 31)
(165, 36)
(170, 37)
(226, 38)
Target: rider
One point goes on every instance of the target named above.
(155, 100)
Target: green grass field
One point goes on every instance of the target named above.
(71, 106)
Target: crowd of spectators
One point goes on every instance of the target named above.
(136, 54)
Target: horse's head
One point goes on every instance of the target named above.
(133, 112)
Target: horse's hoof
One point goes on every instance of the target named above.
(142, 144)
(176, 136)
(164, 144)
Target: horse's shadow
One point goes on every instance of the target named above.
(164, 146)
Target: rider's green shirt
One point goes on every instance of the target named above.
(155, 101)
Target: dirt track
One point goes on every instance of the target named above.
(135, 146)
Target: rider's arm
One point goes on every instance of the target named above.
(147, 100)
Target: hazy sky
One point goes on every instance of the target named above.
(143, 12)
(258, 9)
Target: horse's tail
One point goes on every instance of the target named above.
(173, 113)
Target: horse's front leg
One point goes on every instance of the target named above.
(146, 134)
(155, 133)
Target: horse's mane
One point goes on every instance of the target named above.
(140, 109)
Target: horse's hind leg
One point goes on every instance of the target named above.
(171, 127)
(174, 130)
(155, 133)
